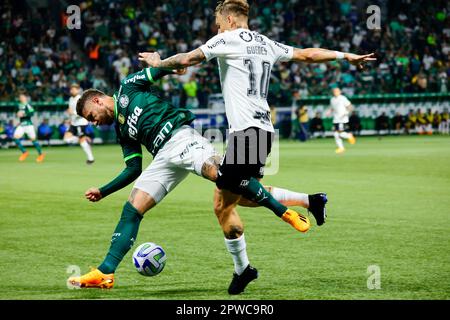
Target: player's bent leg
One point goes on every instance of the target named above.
(123, 239)
(86, 146)
(18, 134)
(315, 203)
(224, 208)
(70, 138)
(141, 200)
(37, 146)
(339, 142)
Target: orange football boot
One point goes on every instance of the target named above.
(351, 139)
(40, 157)
(24, 155)
(93, 279)
(297, 220)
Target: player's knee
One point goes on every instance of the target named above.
(141, 200)
(234, 231)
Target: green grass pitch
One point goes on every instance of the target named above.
(389, 206)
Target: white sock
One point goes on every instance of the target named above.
(344, 135)
(87, 149)
(338, 140)
(290, 198)
(237, 249)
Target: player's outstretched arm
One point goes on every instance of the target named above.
(319, 55)
(178, 61)
(127, 176)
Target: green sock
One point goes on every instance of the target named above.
(37, 146)
(20, 146)
(255, 191)
(123, 238)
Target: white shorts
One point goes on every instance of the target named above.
(21, 130)
(185, 152)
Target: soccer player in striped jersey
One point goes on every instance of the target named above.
(245, 59)
(25, 112)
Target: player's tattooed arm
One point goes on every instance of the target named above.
(178, 61)
(210, 168)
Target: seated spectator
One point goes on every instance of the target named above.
(382, 124)
(6, 133)
(437, 119)
(445, 122)
(9, 130)
(411, 122)
(421, 122)
(354, 123)
(429, 117)
(3, 142)
(316, 126)
(63, 127)
(398, 123)
(45, 131)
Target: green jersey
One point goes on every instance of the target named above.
(28, 110)
(142, 117)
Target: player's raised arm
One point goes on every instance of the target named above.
(319, 55)
(178, 61)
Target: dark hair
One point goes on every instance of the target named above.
(238, 7)
(87, 95)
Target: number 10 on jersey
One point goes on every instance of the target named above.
(265, 78)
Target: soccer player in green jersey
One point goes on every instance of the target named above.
(25, 113)
(142, 118)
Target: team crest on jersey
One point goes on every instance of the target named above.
(121, 119)
(246, 36)
(124, 101)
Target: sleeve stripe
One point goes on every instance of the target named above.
(149, 75)
(131, 156)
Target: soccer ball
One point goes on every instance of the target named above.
(149, 259)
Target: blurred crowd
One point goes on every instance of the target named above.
(38, 53)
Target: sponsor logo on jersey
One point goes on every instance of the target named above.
(132, 122)
(244, 183)
(187, 149)
(259, 38)
(281, 46)
(121, 119)
(218, 42)
(263, 116)
(246, 36)
(134, 78)
(162, 135)
(124, 101)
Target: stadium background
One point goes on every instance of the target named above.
(41, 55)
(385, 192)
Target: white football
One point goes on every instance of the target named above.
(149, 259)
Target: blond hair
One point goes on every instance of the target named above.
(236, 7)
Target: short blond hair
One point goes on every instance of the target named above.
(236, 7)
